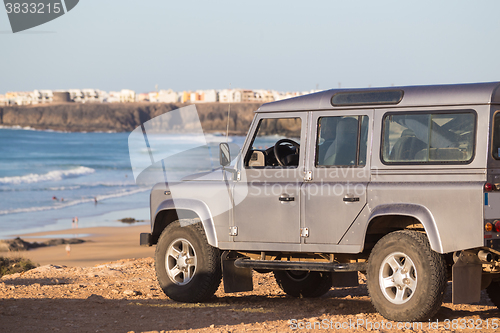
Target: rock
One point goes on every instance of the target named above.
(96, 298)
(18, 244)
(62, 241)
(129, 292)
(128, 220)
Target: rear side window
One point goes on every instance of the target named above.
(342, 141)
(428, 138)
(496, 136)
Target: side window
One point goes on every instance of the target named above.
(342, 141)
(424, 138)
(276, 143)
(496, 136)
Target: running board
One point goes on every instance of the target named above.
(301, 265)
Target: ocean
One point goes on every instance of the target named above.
(48, 178)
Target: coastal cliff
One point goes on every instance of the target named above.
(122, 117)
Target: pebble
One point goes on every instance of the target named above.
(129, 292)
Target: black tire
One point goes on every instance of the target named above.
(188, 269)
(304, 283)
(415, 286)
(493, 291)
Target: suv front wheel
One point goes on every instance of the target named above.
(187, 267)
(406, 279)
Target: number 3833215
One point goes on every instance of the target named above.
(33, 8)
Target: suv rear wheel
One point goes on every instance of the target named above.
(493, 291)
(187, 267)
(304, 283)
(406, 279)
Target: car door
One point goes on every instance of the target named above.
(270, 209)
(339, 170)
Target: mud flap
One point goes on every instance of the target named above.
(467, 274)
(345, 279)
(235, 279)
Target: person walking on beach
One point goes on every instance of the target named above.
(68, 249)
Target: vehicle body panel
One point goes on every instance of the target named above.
(447, 199)
(261, 216)
(326, 213)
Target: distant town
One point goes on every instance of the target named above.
(130, 96)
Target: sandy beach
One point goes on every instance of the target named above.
(108, 284)
(124, 296)
(102, 244)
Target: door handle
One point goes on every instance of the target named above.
(350, 199)
(286, 198)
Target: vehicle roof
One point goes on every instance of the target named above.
(430, 95)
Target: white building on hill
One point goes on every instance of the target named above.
(19, 98)
(210, 96)
(75, 95)
(113, 97)
(43, 96)
(127, 96)
(167, 96)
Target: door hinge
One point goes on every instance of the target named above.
(308, 176)
(304, 232)
(233, 231)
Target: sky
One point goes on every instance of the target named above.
(279, 45)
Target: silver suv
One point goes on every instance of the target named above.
(400, 183)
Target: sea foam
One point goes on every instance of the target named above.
(55, 175)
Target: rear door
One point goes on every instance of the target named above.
(340, 171)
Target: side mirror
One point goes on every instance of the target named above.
(224, 154)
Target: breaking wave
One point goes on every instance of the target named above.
(49, 176)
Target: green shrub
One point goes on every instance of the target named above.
(15, 265)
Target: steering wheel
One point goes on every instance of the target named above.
(279, 151)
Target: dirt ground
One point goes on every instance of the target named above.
(123, 296)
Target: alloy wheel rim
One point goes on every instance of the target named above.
(398, 278)
(180, 261)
